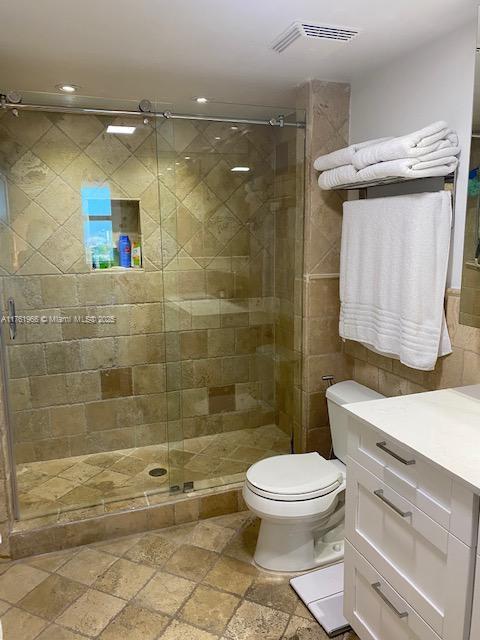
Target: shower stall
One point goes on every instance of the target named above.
(127, 384)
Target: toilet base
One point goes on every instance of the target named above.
(292, 548)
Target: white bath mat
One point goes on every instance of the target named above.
(322, 593)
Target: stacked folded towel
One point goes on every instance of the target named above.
(431, 151)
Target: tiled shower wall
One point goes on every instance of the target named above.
(196, 343)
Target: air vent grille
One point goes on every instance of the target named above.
(310, 30)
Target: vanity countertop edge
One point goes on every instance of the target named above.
(441, 426)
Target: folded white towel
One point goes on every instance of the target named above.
(413, 145)
(338, 177)
(407, 168)
(393, 270)
(343, 156)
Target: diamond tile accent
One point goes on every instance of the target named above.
(81, 129)
(179, 133)
(17, 200)
(181, 225)
(244, 202)
(14, 251)
(34, 225)
(59, 200)
(83, 170)
(203, 247)
(201, 201)
(31, 174)
(10, 149)
(108, 152)
(133, 177)
(62, 249)
(56, 149)
(147, 153)
(223, 225)
(134, 140)
(222, 181)
(28, 128)
(37, 265)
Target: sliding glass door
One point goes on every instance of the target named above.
(81, 265)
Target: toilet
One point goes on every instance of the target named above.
(300, 498)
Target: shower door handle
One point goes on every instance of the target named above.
(12, 319)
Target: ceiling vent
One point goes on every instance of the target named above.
(312, 31)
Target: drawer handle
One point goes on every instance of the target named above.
(377, 587)
(379, 493)
(383, 447)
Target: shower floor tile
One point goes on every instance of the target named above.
(135, 592)
(118, 480)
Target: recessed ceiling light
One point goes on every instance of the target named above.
(187, 157)
(234, 128)
(217, 138)
(120, 128)
(240, 169)
(201, 100)
(67, 88)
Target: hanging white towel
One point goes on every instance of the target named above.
(413, 145)
(394, 258)
(343, 156)
(407, 168)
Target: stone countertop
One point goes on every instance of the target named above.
(442, 426)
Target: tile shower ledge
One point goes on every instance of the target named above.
(31, 538)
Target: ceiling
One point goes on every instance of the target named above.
(174, 50)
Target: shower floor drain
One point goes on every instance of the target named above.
(157, 472)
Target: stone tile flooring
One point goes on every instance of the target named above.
(117, 480)
(189, 582)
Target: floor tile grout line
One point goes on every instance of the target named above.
(236, 531)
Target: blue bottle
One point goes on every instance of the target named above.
(125, 251)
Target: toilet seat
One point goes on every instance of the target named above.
(294, 477)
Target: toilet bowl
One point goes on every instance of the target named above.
(300, 498)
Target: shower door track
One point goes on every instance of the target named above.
(278, 121)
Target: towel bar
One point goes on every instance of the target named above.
(399, 187)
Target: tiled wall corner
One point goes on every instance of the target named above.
(322, 353)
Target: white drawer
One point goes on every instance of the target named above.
(374, 609)
(425, 563)
(429, 488)
(475, 629)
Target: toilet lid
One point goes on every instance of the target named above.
(294, 477)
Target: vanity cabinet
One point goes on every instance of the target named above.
(411, 542)
(475, 628)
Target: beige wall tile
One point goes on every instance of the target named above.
(194, 402)
(221, 342)
(150, 378)
(26, 360)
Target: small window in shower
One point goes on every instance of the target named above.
(113, 238)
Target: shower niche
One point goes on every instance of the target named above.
(112, 227)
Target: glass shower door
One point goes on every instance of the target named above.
(228, 194)
(91, 412)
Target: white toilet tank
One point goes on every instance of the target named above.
(338, 395)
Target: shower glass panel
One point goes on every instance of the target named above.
(126, 385)
(87, 388)
(232, 240)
